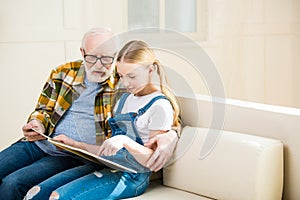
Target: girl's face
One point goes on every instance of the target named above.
(135, 77)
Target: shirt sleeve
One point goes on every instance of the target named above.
(46, 103)
(161, 115)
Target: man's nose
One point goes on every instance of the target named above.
(98, 64)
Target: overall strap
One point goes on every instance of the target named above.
(121, 102)
(149, 104)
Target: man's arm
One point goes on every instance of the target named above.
(45, 104)
(53, 102)
(39, 119)
(165, 145)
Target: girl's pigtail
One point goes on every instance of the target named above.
(165, 89)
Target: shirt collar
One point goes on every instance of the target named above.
(79, 78)
(112, 80)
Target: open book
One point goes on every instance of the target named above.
(87, 155)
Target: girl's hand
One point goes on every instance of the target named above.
(112, 145)
(66, 140)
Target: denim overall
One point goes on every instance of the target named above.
(124, 124)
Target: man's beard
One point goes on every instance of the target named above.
(95, 77)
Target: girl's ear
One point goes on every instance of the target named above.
(151, 69)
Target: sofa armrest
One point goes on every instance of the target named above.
(240, 166)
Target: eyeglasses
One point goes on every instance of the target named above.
(92, 59)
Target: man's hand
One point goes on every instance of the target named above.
(164, 145)
(30, 134)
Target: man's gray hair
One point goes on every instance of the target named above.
(101, 31)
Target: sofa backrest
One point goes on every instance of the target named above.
(240, 166)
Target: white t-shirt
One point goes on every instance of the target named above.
(158, 117)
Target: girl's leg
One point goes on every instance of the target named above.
(44, 189)
(104, 184)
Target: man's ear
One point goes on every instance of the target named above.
(82, 51)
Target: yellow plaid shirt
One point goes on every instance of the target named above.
(63, 86)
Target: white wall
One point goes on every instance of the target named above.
(255, 49)
(254, 43)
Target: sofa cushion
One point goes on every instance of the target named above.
(157, 191)
(240, 166)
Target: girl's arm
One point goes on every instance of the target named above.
(108, 148)
(94, 149)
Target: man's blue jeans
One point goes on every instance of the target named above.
(24, 164)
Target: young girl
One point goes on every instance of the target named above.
(147, 111)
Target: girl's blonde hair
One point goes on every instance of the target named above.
(139, 52)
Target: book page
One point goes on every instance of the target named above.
(42, 134)
(87, 155)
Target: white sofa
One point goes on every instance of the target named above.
(239, 167)
(277, 122)
(241, 117)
